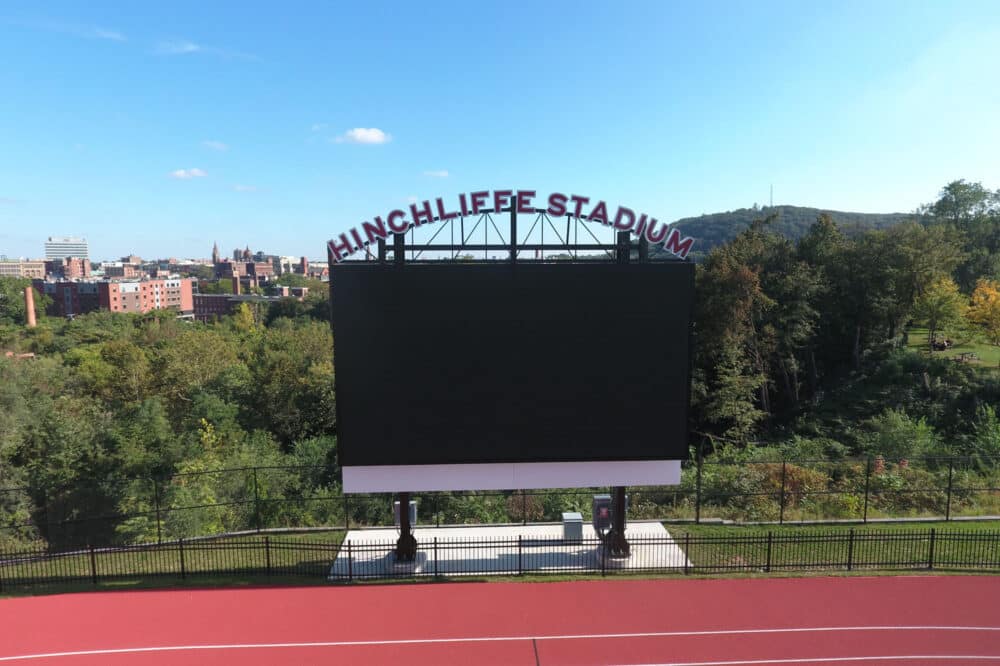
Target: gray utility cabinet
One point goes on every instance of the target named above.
(572, 526)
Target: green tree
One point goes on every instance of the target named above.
(942, 305)
(12, 301)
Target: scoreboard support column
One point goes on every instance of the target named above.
(406, 545)
(615, 542)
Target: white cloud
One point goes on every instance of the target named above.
(76, 29)
(186, 47)
(187, 174)
(368, 135)
(319, 127)
(177, 48)
(245, 188)
(441, 173)
(102, 33)
(216, 145)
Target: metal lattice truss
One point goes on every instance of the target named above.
(510, 237)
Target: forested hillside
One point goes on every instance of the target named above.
(800, 350)
(792, 222)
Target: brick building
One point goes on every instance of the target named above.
(69, 298)
(138, 296)
(23, 268)
(145, 295)
(120, 269)
(68, 268)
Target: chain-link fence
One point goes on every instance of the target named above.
(148, 510)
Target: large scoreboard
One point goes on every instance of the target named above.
(455, 376)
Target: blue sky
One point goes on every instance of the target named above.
(160, 129)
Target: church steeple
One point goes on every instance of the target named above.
(215, 253)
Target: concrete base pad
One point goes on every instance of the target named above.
(502, 549)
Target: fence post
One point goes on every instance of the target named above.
(256, 500)
(697, 483)
(93, 564)
(770, 539)
(602, 550)
(781, 514)
(520, 563)
(868, 479)
(930, 554)
(435, 557)
(951, 473)
(687, 553)
(350, 562)
(850, 550)
(180, 548)
(267, 554)
(156, 506)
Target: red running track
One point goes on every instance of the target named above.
(895, 620)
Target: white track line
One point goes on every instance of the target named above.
(895, 657)
(500, 639)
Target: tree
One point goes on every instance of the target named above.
(941, 305)
(12, 301)
(985, 308)
(961, 203)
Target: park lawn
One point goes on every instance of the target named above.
(956, 545)
(989, 355)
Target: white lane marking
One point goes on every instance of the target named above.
(810, 660)
(495, 639)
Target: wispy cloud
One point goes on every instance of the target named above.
(319, 127)
(187, 174)
(366, 135)
(84, 30)
(245, 188)
(441, 173)
(185, 47)
(216, 145)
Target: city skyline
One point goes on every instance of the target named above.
(141, 127)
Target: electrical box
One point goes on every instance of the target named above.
(602, 512)
(413, 513)
(572, 526)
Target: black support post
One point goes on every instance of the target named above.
(406, 545)
(156, 507)
(615, 542)
(398, 249)
(951, 476)
(781, 510)
(697, 481)
(868, 481)
(513, 233)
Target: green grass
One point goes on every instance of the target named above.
(713, 549)
(956, 545)
(257, 557)
(989, 355)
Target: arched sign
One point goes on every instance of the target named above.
(399, 221)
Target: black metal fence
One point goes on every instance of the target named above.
(143, 510)
(277, 558)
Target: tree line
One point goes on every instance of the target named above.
(800, 349)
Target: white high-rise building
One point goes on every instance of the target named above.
(61, 247)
